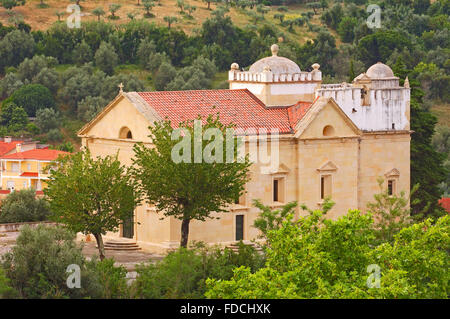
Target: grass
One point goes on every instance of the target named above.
(43, 18)
(442, 112)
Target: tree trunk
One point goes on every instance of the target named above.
(184, 232)
(101, 247)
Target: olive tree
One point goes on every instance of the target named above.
(91, 195)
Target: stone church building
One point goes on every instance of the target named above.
(334, 140)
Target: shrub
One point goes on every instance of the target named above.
(37, 265)
(106, 58)
(47, 119)
(23, 206)
(31, 98)
(182, 274)
(111, 279)
(6, 291)
(54, 135)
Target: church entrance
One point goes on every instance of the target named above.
(128, 227)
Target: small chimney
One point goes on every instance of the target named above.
(7, 139)
(18, 148)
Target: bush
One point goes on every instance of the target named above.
(54, 135)
(37, 265)
(23, 206)
(106, 58)
(47, 119)
(182, 274)
(32, 97)
(6, 291)
(112, 279)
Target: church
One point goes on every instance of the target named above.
(333, 140)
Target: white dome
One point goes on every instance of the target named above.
(380, 71)
(276, 64)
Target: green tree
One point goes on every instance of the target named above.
(98, 12)
(6, 291)
(15, 47)
(322, 258)
(392, 212)
(106, 58)
(170, 20)
(10, 4)
(31, 98)
(148, 6)
(89, 107)
(82, 53)
(47, 119)
(166, 73)
(346, 28)
(113, 8)
(23, 206)
(190, 190)
(92, 196)
(9, 84)
(36, 266)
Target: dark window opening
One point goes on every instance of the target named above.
(391, 187)
(275, 190)
(239, 227)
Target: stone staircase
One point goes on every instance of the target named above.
(235, 246)
(123, 245)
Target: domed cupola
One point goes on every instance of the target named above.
(276, 81)
(276, 64)
(380, 71)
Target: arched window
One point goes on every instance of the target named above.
(125, 133)
(328, 130)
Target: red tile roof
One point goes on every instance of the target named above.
(8, 147)
(29, 174)
(240, 107)
(297, 111)
(37, 154)
(445, 203)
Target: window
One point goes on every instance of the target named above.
(391, 187)
(239, 227)
(125, 133)
(325, 186)
(278, 189)
(328, 131)
(28, 167)
(15, 167)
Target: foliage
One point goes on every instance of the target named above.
(91, 195)
(15, 47)
(47, 119)
(322, 258)
(23, 206)
(182, 274)
(37, 265)
(111, 278)
(190, 188)
(90, 106)
(392, 212)
(54, 135)
(6, 291)
(32, 97)
(106, 58)
(13, 117)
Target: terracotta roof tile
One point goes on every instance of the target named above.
(445, 203)
(8, 147)
(240, 107)
(37, 154)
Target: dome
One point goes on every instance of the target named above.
(276, 64)
(380, 71)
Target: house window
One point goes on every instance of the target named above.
(28, 167)
(278, 189)
(15, 167)
(391, 187)
(325, 186)
(125, 133)
(239, 227)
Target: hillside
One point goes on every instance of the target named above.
(42, 18)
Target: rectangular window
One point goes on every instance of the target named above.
(28, 167)
(275, 190)
(391, 187)
(278, 189)
(325, 186)
(239, 227)
(15, 167)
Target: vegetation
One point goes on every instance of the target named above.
(23, 206)
(91, 195)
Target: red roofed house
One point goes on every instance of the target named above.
(26, 169)
(445, 203)
(330, 140)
